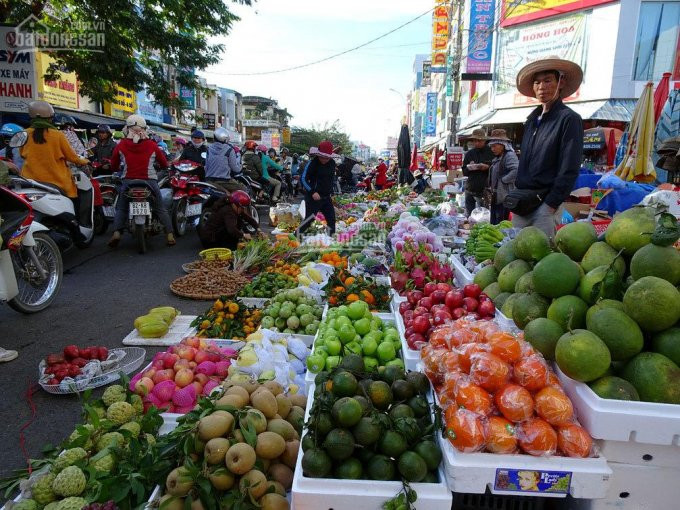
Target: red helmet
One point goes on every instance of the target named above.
(262, 148)
(241, 198)
(250, 145)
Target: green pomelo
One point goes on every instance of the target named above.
(339, 444)
(660, 261)
(556, 275)
(492, 290)
(631, 229)
(366, 432)
(500, 299)
(601, 254)
(582, 355)
(668, 343)
(543, 334)
(569, 312)
(614, 388)
(575, 238)
(621, 334)
(653, 303)
(412, 466)
(591, 287)
(531, 244)
(525, 284)
(528, 307)
(486, 276)
(316, 463)
(504, 255)
(506, 309)
(509, 275)
(655, 377)
(349, 469)
(380, 467)
(601, 305)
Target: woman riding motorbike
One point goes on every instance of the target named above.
(267, 163)
(226, 224)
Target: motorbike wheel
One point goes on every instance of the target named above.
(140, 237)
(35, 293)
(101, 224)
(179, 217)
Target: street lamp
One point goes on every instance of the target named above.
(397, 92)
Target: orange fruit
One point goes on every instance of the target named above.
(450, 362)
(450, 382)
(473, 398)
(531, 372)
(440, 337)
(466, 351)
(505, 346)
(536, 437)
(574, 441)
(554, 406)
(462, 337)
(465, 430)
(500, 435)
(489, 371)
(515, 402)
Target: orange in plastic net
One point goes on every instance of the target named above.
(505, 346)
(500, 435)
(484, 328)
(515, 402)
(462, 337)
(489, 371)
(531, 372)
(450, 382)
(574, 441)
(450, 362)
(473, 398)
(554, 406)
(537, 437)
(440, 337)
(465, 430)
(466, 352)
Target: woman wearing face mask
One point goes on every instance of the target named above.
(196, 151)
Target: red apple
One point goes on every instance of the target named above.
(164, 375)
(437, 308)
(192, 341)
(413, 296)
(472, 290)
(421, 324)
(201, 356)
(192, 365)
(169, 359)
(180, 364)
(184, 377)
(404, 306)
(487, 308)
(426, 302)
(458, 313)
(445, 287)
(454, 299)
(415, 341)
(158, 364)
(202, 378)
(441, 317)
(482, 297)
(408, 314)
(186, 352)
(419, 311)
(144, 386)
(470, 304)
(408, 332)
(438, 296)
(429, 288)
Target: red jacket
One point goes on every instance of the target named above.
(381, 178)
(138, 159)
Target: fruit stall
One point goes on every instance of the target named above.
(388, 368)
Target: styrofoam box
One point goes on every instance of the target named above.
(179, 329)
(335, 494)
(253, 302)
(411, 357)
(637, 488)
(641, 454)
(506, 323)
(623, 420)
(463, 276)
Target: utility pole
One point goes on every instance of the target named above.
(458, 7)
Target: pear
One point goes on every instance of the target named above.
(269, 445)
(216, 450)
(254, 482)
(240, 458)
(273, 501)
(222, 479)
(179, 482)
(265, 401)
(170, 502)
(238, 390)
(215, 425)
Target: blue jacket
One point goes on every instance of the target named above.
(221, 161)
(552, 150)
(318, 178)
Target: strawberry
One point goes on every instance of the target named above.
(103, 353)
(53, 359)
(71, 351)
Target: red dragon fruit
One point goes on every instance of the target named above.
(418, 276)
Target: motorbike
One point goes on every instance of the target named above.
(142, 217)
(31, 268)
(368, 183)
(105, 208)
(188, 195)
(254, 188)
(213, 195)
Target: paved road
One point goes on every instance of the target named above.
(103, 292)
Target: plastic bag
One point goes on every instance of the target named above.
(443, 225)
(611, 181)
(574, 441)
(465, 430)
(537, 437)
(480, 215)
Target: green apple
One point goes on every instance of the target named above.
(342, 321)
(346, 334)
(315, 363)
(362, 326)
(321, 350)
(354, 347)
(386, 352)
(368, 315)
(377, 321)
(332, 362)
(370, 364)
(356, 310)
(332, 325)
(342, 311)
(392, 335)
(334, 346)
(395, 362)
(369, 346)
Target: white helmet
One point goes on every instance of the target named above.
(221, 135)
(135, 120)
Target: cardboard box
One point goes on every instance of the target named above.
(576, 209)
(452, 175)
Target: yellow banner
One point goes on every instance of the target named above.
(522, 12)
(60, 92)
(439, 43)
(439, 59)
(123, 105)
(286, 135)
(440, 28)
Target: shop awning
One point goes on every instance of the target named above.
(88, 120)
(473, 123)
(611, 110)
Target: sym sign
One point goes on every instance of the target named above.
(18, 85)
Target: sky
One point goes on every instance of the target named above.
(354, 88)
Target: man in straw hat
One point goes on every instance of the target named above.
(552, 146)
(476, 168)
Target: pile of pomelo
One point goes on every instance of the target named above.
(371, 427)
(353, 329)
(499, 394)
(605, 308)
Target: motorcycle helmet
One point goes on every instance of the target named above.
(62, 120)
(285, 149)
(104, 128)
(221, 135)
(40, 109)
(262, 148)
(10, 129)
(250, 145)
(240, 198)
(179, 140)
(198, 134)
(136, 120)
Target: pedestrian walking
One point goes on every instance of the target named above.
(502, 173)
(318, 180)
(476, 165)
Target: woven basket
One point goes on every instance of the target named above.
(208, 294)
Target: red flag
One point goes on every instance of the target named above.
(414, 159)
(661, 96)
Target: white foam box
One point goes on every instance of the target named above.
(411, 357)
(463, 276)
(506, 323)
(179, 329)
(622, 420)
(641, 454)
(253, 302)
(335, 494)
(637, 488)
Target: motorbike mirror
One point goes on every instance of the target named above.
(19, 139)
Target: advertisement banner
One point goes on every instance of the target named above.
(521, 11)
(431, 114)
(188, 97)
(441, 31)
(266, 137)
(209, 121)
(427, 73)
(417, 128)
(147, 109)
(60, 92)
(449, 76)
(480, 37)
(563, 38)
(17, 73)
(123, 105)
(285, 135)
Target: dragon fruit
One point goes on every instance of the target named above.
(418, 275)
(185, 397)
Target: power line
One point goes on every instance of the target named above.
(326, 59)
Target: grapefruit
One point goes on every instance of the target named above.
(492, 290)
(339, 444)
(531, 244)
(569, 312)
(614, 388)
(525, 283)
(592, 287)
(601, 254)
(604, 303)
(653, 303)
(486, 276)
(508, 304)
(621, 334)
(668, 343)
(631, 229)
(528, 307)
(575, 238)
(509, 275)
(660, 261)
(582, 355)
(543, 334)
(556, 275)
(655, 377)
(316, 463)
(504, 255)
(366, 432)
(499, 300)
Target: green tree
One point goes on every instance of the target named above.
(301, 139)
(142, 38)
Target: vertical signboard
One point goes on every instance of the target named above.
(427, 73)
(441, 31)
(17, 73)
(480, 37)
(431, 114)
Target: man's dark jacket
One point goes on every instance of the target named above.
(477, 179)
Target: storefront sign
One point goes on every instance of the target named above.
(209, 121)
(454, 158)
(431, 114)
(61, 92)
(276, 140)
(123, 105)
(147, 109)
(258, 122)
(285, 134)
(521, 11)
(524, 480)
(480, 38)
(441, 31)
(427, 73)
(17, 73)
(188, 97)
(266, 137)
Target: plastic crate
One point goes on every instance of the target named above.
(488, 501)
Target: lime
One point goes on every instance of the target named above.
(412, 466)
(316, 463)
(347, 412)
(386, 352)
(332, 362)
(349, 469)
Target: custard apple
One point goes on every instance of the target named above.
(105, 464)
(70, 482)
(71, 504)
(120, 412)
(42, 489)
(76, 434)
(52, 506)
(115, 393)
(110, 439)
(133, 427)
(68, 458)
(25, 504)
(137, 404)
(150, 438)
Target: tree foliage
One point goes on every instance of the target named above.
(301, 139)
(142, 37)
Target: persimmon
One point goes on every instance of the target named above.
(537, 437)
(505, 346)
(531, 372)
(465, 430)
(489, 371)
(554, 406)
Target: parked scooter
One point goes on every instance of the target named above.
(31, 268)
(105, 210)
(188, 195)
(214, 194)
